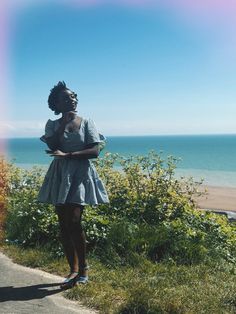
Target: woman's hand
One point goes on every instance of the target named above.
(57, 153)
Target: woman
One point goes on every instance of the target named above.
(71, 181)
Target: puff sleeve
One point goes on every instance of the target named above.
(92, 135)
(49, 130)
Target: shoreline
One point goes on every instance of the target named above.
(217, 198)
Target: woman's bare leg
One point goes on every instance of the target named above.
(78, 237)
(63, 213)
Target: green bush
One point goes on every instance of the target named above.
(154, 214)
(4, 172)
(29, 222)
(150, 213)
(145, 188)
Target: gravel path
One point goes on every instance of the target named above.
(31, 291)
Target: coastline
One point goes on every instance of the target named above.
(218, 198)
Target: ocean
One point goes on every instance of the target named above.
(211, 157)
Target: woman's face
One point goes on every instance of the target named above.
(67, 101)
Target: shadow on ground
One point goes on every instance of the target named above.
(11, 293)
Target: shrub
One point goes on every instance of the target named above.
(29, 222)
(4, 172)
(154, 214)
(145, 188)
(150, 213)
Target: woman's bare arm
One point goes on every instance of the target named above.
(92, 151)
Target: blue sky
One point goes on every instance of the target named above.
(137, 69)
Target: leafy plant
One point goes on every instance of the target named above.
(150, 214)
(4, 177)
(29, 222)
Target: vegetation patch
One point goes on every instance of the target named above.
(150, 249)
(5, 170)
(146, 288)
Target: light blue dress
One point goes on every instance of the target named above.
(73, 180)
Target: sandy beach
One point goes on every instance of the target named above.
(218, 198)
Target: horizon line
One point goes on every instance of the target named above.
(132, 135)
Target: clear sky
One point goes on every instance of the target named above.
(138, 67)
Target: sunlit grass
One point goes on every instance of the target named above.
(145, 288)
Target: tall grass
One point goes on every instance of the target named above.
(146, 288)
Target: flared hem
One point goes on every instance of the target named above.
(72, 181)
(72, 203)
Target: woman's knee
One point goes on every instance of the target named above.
(69, 217)
(75, 219)
(62, 219)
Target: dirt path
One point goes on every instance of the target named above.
(31, 291)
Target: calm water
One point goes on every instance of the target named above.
(210, 156)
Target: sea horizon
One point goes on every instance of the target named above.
(135, 135)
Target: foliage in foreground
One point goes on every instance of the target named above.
(147, 288)
(4, 174)
(151, 214)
